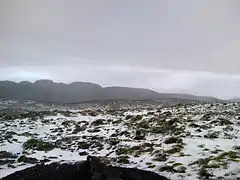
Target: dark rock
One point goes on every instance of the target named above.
(84, 145)
(45, 160)
(5, 154)
(223, 122)
(137, 118)
(140, 134)
(92, 169)
(123, 160)
(83, 153)
(161, 156)
(11, 166)
(194, 125)
(166, 169)
(79, 129)
(39, 145)
(212, 135)
(94, 130)
(198, 130)
(172, 140)
(129, 117)
(98, 122)
(29, 160)
(6, 161)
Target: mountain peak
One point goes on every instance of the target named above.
(48, 91)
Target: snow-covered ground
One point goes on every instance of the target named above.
(180, 142)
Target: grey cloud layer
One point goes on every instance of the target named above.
(200, 83)
(196, 35)
(128, 43)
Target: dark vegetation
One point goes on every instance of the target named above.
(92, 169)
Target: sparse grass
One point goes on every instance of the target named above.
(223, 122)
(149, 163)
(173, 150)
(5, 154)
(216, 151)
(181, 154)
(177, 164)
(201, 145)
(212, 135)
(140, 134)
(123, 160)
(143, 125)
(25, 159)
(152, 166)
(39, 145)
(203, 173)
(125, 151)
(27, 134)
(233, 155)
(177, 168)
(137, 118)
(172, 140)
(166, 169)
(98, 122)
(228, 128)
(160, 156)
(116, 121)
(206, 149)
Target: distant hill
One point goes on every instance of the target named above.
(77, 92)
(234, 100)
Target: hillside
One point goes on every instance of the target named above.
(77, 92)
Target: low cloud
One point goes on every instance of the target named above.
(162, 80)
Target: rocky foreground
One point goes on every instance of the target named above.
(92, 169)
(200, 141)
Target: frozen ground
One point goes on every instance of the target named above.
(180, 142)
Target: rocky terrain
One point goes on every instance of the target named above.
(199, 141)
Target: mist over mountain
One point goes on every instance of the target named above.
(77, 92)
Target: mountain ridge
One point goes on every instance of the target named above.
(47, 90)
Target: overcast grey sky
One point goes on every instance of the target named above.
(166, 45)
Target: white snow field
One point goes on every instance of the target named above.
(180, 142)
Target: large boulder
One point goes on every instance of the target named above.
(92, 169)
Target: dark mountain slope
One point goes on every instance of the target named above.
(76, 92)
